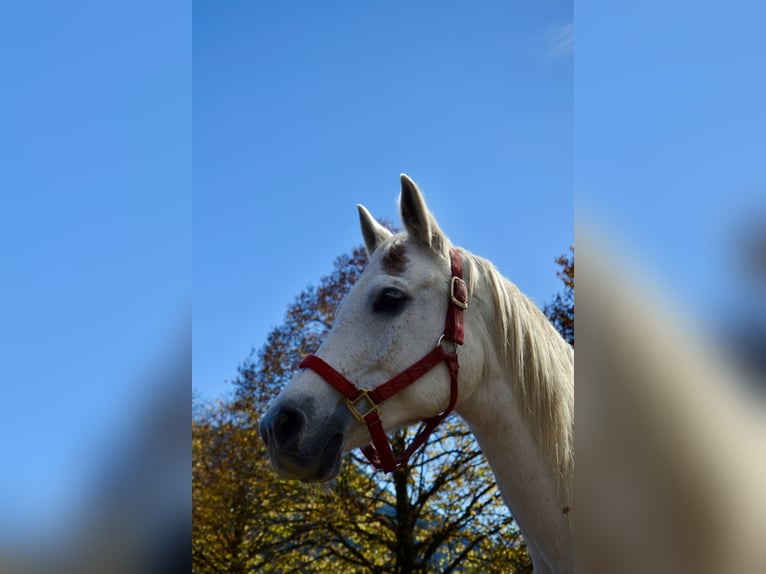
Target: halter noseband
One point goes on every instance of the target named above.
(365, 403)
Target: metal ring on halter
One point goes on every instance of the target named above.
(442, 338)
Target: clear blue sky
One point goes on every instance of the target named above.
(300, 112)
(670, 138)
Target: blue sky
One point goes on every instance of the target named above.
(95, 235)
(670, 139)
(300, 113)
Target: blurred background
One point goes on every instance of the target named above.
(670, 195)
(95, 318)
(669, 148)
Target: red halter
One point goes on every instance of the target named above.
(365, 403)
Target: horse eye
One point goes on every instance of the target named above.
(389, 300)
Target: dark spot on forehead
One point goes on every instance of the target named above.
(395, 260)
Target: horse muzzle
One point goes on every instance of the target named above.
(298, 448)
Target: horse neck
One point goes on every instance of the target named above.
(534, 483)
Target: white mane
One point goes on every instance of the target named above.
(541, 361)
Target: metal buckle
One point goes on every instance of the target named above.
(455, 301)
(363, 394)
(454, 344)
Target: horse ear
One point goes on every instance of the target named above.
(418, 221)
(372, 231)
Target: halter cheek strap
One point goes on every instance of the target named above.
(364, 404)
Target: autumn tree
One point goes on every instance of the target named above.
(229, 530)
(561, 310)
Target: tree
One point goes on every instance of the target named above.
(441, 513)
(227, 514)
(561, 310)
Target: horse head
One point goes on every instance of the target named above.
(393, 316)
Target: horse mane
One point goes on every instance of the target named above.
(541, 362)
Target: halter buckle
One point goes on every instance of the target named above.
(363, 394)
(462, 292)
(455, 346)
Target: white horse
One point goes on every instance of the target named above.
(515, 385)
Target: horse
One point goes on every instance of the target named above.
(498, 362)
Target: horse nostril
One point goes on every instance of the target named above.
(287, 427)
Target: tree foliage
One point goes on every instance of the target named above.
(561, 310)
(441, 513)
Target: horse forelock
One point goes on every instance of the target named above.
(397, 252)
(394, 258)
